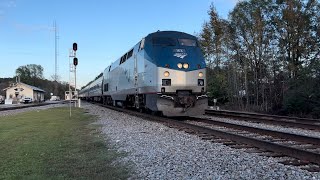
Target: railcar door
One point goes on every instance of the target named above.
(136, 81)
(136, 72)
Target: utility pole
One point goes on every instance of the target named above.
(55, 78)
(55, 52)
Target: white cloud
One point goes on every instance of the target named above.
(5, 5)
(11, 3)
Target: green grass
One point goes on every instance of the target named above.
(47, 144)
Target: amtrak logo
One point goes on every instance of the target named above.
(180, 53)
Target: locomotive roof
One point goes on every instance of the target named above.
(171, 34)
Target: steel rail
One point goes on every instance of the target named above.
(297, 119)
(26, 106)
(285, 135)
(315, 125)
(270, 116)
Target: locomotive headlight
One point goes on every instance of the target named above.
(186, 65)
(179, 65)
(200, 74)
(166, 74)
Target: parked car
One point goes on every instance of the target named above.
(2, 99)
(26, 100)
(55, 98)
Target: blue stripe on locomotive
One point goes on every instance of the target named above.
(164, 55)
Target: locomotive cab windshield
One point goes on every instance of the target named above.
(163, 41)
(166, 41)
(173, 50)
(188, 42)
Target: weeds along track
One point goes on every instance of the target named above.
(286, 121)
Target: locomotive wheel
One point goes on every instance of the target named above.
(124, 105)
(137, 105)
(148, 111)
(156, 113)
(142, 110)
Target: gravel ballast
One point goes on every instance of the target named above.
(159, 152)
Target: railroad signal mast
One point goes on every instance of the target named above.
(75, 63)
(73, 69)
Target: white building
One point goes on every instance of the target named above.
(19, 91)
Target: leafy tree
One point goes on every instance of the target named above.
(265, 56)
(30, 74)
(217, 85)
(294, 25)
(212, 39)
(252, 44)
(4, 83)
(212, 42)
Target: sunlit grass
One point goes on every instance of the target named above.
(48, 144)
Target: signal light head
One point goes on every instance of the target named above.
(75, 46)
(75, 61)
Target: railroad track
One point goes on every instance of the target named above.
(299, 150)
(286, 121)
(27, 106)
(305, 149)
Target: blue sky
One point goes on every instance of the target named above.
(103, 29)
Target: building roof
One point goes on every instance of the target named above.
(27, 85)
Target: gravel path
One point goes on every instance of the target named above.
(159, 152)
(17, 111)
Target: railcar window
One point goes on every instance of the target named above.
(123, 58)
(162, 41)
(187, 42)
(105, 87)
(130, 53)
(141, 44)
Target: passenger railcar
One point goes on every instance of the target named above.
(165, 72)
(93, 90)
